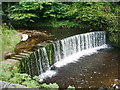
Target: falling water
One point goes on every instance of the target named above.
(65, 51)
(77, 43)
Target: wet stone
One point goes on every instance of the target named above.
(20, 56)
(26, 53)
(16, 58)
(4, 84)
(10, 62)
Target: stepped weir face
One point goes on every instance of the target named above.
(48, 56)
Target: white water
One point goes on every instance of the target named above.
(74, 44)
(48, 73)
(71, 59)
(69, 50)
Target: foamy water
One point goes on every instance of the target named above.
(71, 59)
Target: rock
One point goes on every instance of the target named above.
(20, 56)
(39, 34)
(11, 62)
(53, 67)
(24, 37)
(49, 41)
(30, 41)
(8, 54)
(23, 54)
(16, 58)
(4, 84)
(91, 30)
(39, 45)
(116, 84)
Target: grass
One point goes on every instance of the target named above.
(0, 43)
(9, 39)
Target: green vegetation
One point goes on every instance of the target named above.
(115, 39)
(9, 40)
(114, 31)
(49, 49)
(64, 24)
(87, 15)
(12, 75)
(71, 87)
(58, 14)
(0, 44)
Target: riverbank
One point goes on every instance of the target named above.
(13, 76)
(114, 39)
(112, 29)
(10, 38)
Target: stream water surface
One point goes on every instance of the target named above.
(93, 71)
(96, 70)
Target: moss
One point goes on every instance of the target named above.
(28, 65)
(50, 53)
(25, 64)
(114, 38)
(22, 65)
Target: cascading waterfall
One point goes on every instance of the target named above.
(77, 43)
(64, 51)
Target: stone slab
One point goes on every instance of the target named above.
(10, 62)
(11, 86)
(4, 84)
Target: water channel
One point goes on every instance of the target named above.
(81, 60)
(92, 71)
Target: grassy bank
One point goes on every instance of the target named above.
(0, 44)
(12, 75)
(9, 39)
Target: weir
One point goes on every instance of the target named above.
(50, 55)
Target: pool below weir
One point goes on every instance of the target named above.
(92, 71)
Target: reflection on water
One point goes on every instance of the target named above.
(94, 71)
(60, 33)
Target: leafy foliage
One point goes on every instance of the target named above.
(64, 24)
(23, 11)
(29, 11)
(12, 75)
(71, 87)
(87, 15)
(56, 10)
(93, 15)
(90, 13)
(54, 85)
(113, 28)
